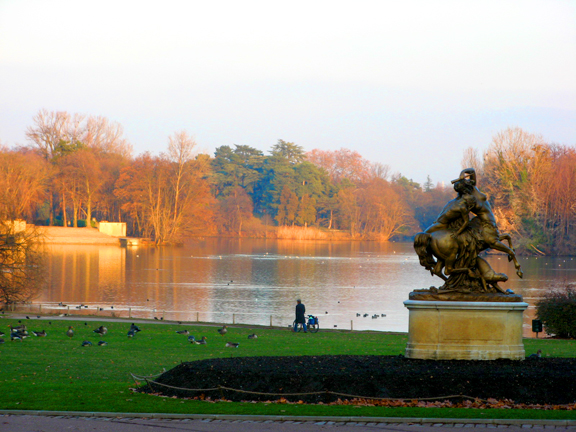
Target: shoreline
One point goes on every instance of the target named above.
(92, 237)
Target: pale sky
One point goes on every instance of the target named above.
(409, 84)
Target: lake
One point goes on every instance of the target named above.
(359, 285)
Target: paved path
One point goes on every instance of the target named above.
(39, 423)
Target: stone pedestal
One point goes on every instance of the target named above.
(461, 330)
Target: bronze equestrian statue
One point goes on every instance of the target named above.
(449, 247)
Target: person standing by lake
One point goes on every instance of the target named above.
(300, 319)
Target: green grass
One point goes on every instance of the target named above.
(56, 373)
(551, 347)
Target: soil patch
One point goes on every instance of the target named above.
(534, 381)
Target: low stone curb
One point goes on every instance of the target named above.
(343, 419)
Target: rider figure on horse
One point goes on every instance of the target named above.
(458, 208)
(485, 220)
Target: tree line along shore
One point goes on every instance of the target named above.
(75, 170)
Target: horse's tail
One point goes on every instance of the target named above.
(422, 248)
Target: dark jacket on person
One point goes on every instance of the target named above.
(300, 311)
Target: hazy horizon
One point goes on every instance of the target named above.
(407, 84)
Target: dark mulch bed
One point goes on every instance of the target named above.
(534, 381)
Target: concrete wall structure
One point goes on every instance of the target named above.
(114, 229)
(17, 225)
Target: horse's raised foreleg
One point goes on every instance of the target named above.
(507, 237)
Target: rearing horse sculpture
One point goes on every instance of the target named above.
(452, 243)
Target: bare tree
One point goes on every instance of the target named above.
(472, 159)
(51, 128)
(104, 136)
(22, 268)
(341, 164)
(379, 171)
(181, 151)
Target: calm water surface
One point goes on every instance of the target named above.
(258, 281)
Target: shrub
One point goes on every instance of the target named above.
(557, 310)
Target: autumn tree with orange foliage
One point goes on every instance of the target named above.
(531, 185)
(341, 164)
(558, 194)
(384, 213)
(83, 170)
(364, 201)
(134, 190)
(77, 146)
(235, 210)
(23, 181)
(167, 197)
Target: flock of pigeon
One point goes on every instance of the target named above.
(17, 333)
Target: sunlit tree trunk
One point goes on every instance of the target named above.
(181, 150)
(64, 215)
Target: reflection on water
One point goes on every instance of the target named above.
(257, 281)
(85, 272)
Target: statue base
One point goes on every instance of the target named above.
(465, 330)
(450, 295)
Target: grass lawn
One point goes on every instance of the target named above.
(56, 373)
